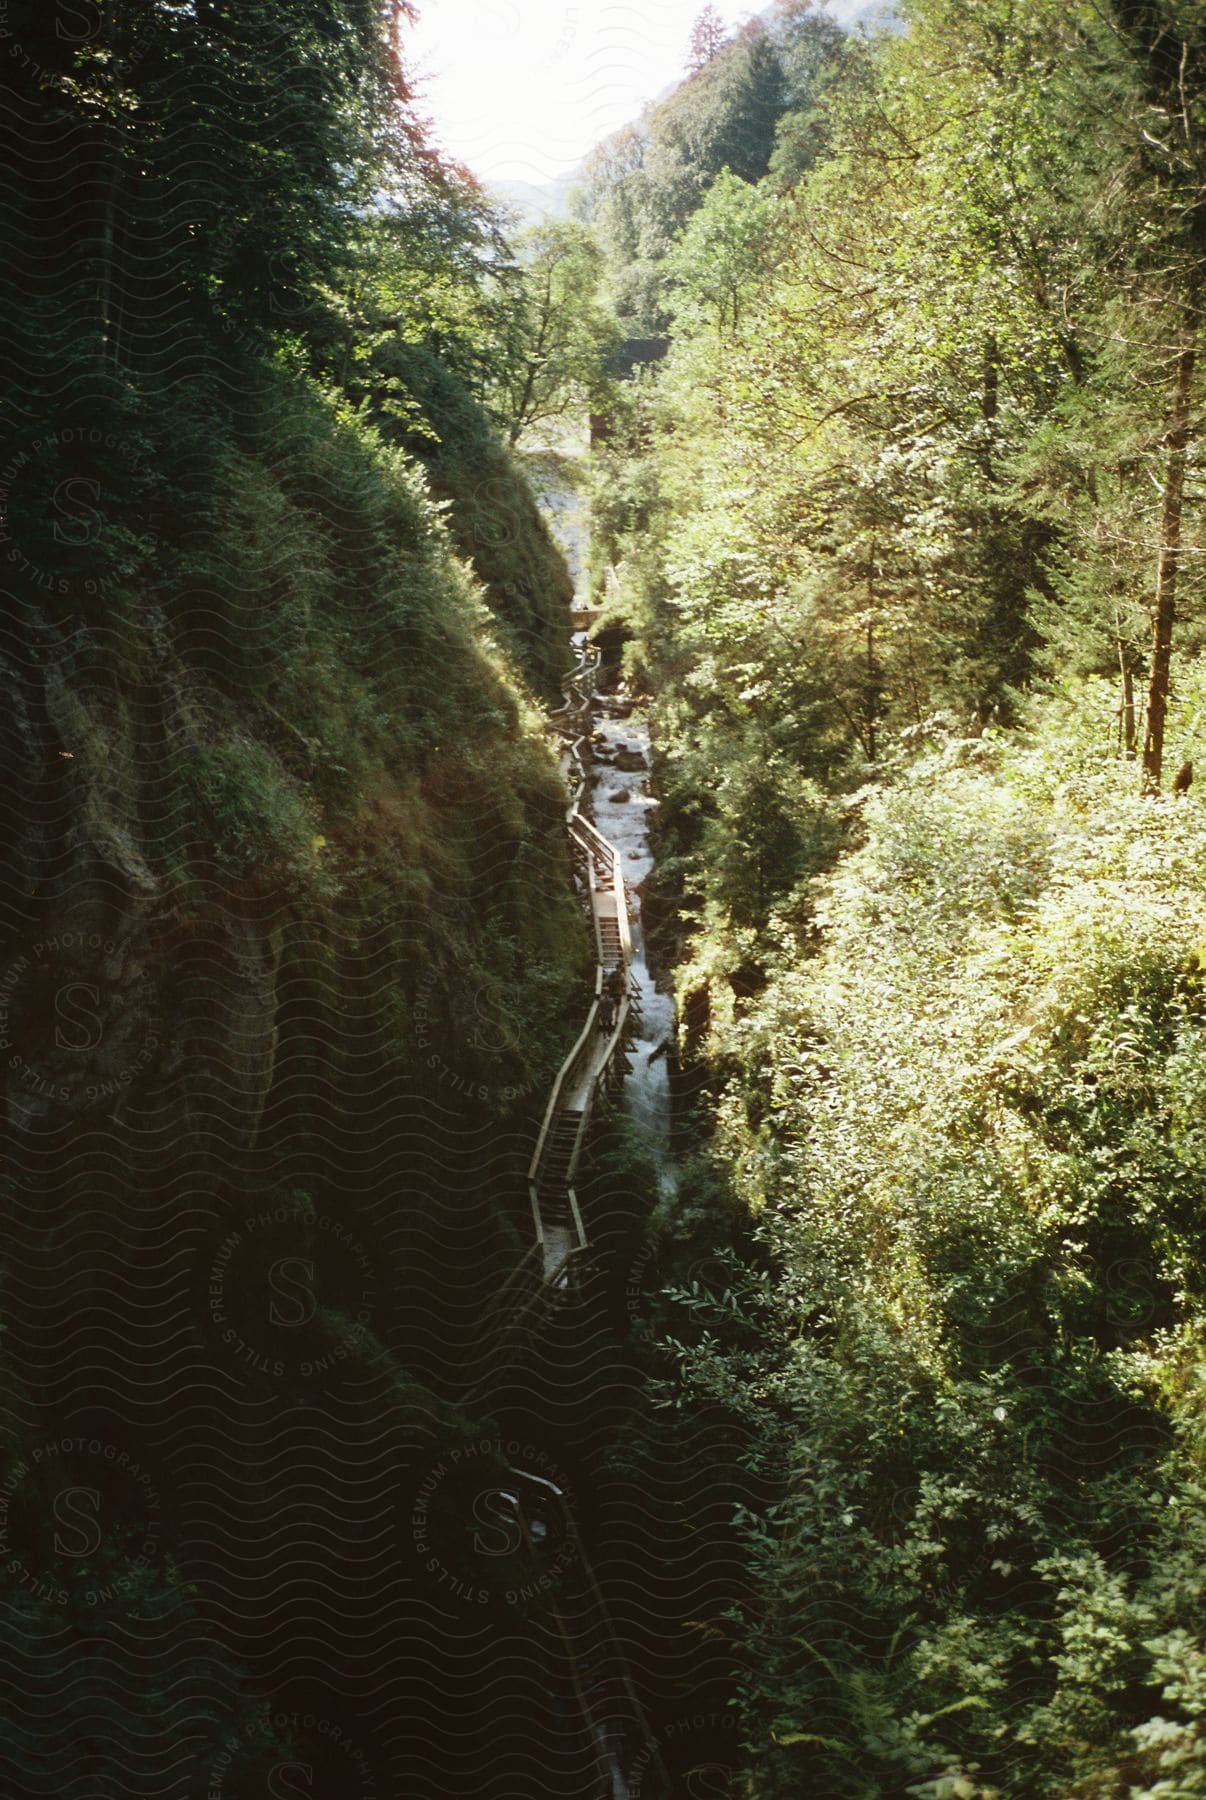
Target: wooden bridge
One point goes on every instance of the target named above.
(615, 1723)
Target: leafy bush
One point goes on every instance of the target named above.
(968, 1118)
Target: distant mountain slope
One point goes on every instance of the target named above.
(855, 12)
(534, 201)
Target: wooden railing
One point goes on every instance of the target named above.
(597, 1662)
(591, 1066)
(593, 1061)
(611, 1711)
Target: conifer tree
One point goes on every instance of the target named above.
(707, 38)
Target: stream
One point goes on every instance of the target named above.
(623, 805)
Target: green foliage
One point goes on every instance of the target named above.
(767, 827)
(229, 217)
(908, 450)
(276, 739)
(642, 187)
(723, 249)
(458, 342)
(246, 809)
(91, 1713)
(553, 334)
(492, 515)
(884, 528)
(819, 60)
(963, 1124)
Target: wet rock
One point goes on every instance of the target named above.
(630, 759)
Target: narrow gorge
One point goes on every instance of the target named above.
(602, 900)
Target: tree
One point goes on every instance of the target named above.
(554, 335)
(642, 186)
(707, 38)
(1177, 443)
(1164, 40)
(817, 59)
(726, 245)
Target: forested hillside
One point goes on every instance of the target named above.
(289, 939)
(904, 535)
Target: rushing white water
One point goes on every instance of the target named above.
(622, 805)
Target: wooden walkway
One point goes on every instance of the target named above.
(593, 1069)
(596, 1062)
(614, 1724)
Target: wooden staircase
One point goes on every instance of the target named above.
(560, 1154)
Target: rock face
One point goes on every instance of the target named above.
(209, 933)
(267, 934)
(288, 948)
(108, 1023)
(286, 937)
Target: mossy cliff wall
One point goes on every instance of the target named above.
(289, 956)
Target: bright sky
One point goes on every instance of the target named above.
(520, 90)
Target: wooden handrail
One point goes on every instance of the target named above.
(593, 844)
(567, 1069)
(535, 1282)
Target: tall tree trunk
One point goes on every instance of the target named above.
(992, 378)
(535, 361)
(1129, 744)
(872, 693)
(989, 401)
(1177, 441)
(873, 698)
